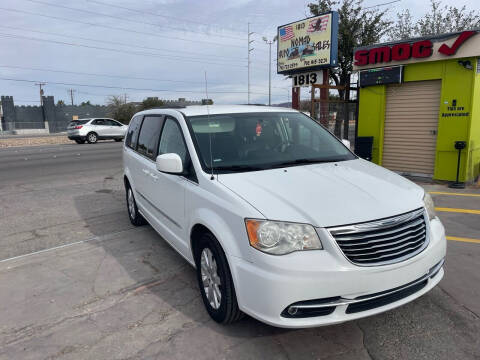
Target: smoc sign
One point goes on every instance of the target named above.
(451, 45)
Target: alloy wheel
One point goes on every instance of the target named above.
(210, 279)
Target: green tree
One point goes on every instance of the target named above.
(85, 103)
(60, 103)
(120, 110)
(151, 103)
(358, 26)
(438, 20)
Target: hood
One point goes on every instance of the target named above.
(328, 194)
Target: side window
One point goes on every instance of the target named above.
(132, 133)
(171, 140)
(99, 122)
(149, 134)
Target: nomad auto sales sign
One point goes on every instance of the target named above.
(455, 45)
(308, 45)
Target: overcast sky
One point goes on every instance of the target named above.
(148, 48)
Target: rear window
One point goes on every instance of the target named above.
(78, 122)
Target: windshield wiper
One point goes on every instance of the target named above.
(237, 168)
(305, 162)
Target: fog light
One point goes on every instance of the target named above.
(292, 310)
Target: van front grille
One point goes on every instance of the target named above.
(383, 241)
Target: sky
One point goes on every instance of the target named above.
(142, 48)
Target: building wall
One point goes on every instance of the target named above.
(474, 155)
(458, 84)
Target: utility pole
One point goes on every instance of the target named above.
(40, 84)
(269, 68)
(71, 91)
(125, 98)
(249, 42)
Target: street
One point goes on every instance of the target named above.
(78, 281)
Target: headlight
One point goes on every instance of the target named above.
(279, 238)
(429, 205)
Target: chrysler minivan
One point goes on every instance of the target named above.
(279, 218)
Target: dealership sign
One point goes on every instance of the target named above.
(432, 49)
(308, 45)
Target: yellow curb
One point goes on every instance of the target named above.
(464, 211)
(453, 194)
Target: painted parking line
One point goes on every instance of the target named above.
(464, 211)
(462, 239)
(453, 194)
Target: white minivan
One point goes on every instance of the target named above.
(280, 219)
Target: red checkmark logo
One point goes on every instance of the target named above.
(447, 50)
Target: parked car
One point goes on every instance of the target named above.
(94, 129)
(279, 218)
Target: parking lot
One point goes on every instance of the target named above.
(78, 281)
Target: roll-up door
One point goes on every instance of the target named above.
(411, 123)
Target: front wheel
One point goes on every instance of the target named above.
(118, 140)
(92, 138)
(80, 141)
(215, 281)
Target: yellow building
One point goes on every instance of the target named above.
(417, 98)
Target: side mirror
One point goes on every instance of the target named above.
(169, 163)
(346, 143)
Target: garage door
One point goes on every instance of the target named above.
(411, 123)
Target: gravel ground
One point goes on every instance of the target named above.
(33, 141)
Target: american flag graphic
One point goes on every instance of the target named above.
(286, 33)
(318, 24)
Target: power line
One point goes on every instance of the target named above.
(130, 88)
(387, 3)
(155, 14)
(177, 58)
(117, 28)
(97, 74)
(124, 18)
(116, 42)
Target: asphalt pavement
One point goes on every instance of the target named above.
(77, 281)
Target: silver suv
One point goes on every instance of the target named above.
(94, 129)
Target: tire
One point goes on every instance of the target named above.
(224, 310)
(118, 140)
(135, 217)
(92, 138)
(80, 141)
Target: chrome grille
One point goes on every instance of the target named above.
(383, 241)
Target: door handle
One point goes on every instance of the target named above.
(146, 172)
(154, 177)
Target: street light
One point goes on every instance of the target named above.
(269, 42)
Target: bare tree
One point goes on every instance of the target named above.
(438, 20)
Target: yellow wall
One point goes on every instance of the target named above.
(457, 83)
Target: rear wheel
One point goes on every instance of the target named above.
(215, 281)
(92, 138)
(135, 217)
(118, 140)
(80, 141)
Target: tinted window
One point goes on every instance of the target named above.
(172, 140)
(78, 122)
(132, 134)
(99, 122)
(112, 123)
(149, 134)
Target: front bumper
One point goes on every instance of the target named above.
(266, 290)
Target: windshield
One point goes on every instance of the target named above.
(265, 140)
